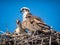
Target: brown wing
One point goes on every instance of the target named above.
(34, 18)
(40, 22)
(36, 21)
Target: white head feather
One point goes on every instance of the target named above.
(25, 10)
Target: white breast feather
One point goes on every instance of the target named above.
(24, 16)
(17, 30)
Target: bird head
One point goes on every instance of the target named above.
(17, 21)
(24, 9)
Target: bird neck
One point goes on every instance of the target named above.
(24, 15)
(18, 25)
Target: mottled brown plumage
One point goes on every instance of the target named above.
(32, 23)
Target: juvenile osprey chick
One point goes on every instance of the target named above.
(19, 29)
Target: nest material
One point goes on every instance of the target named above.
(37, 39)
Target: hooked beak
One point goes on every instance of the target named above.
(20, 10)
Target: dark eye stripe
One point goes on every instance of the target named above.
(26, 9)
(22, 9)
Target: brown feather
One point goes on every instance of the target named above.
(33, 23)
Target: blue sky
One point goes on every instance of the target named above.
(49, 11)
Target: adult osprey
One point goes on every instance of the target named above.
(31, 22)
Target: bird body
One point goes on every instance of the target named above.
(19, 29)
(31, 22)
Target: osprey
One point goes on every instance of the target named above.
(31, 22)
(19, 29)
